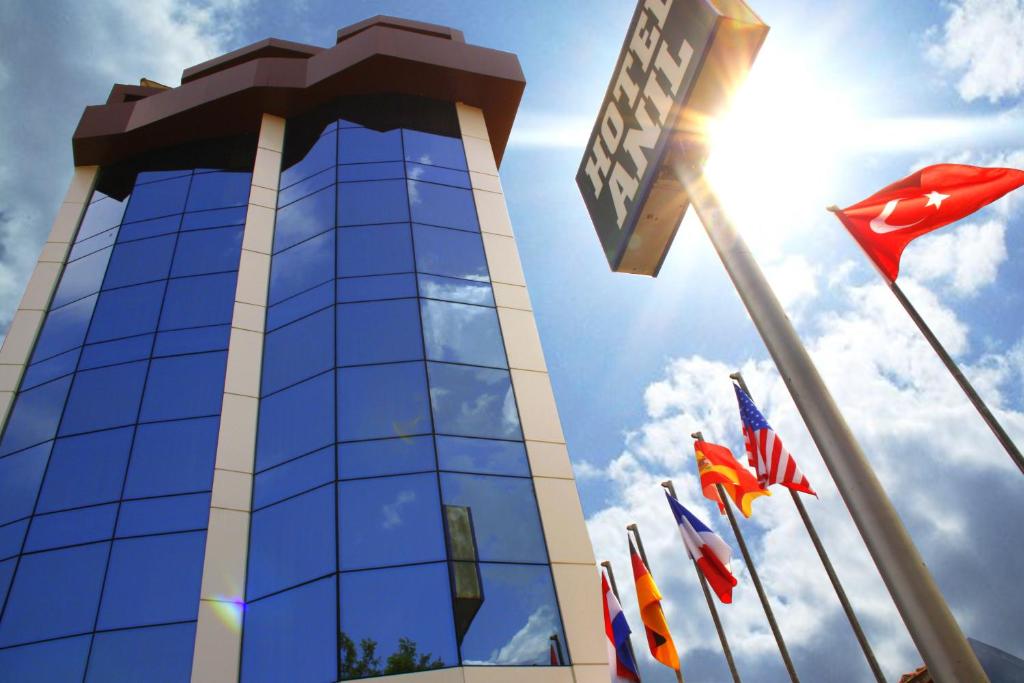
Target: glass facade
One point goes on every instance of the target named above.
(394, 525)
(106, 461)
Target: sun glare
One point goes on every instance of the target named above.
(774, 156)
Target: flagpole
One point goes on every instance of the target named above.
(755, 578)
(643, 556)
(961, 379)
(924, 610)
(615, 590)
(832, 576)
(711, 604)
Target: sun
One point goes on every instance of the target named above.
(775, 155)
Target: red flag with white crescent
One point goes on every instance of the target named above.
(886, 222)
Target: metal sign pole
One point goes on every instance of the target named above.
(711, 605)
(924, 610)
(832, 576)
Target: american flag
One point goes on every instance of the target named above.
(765, 452)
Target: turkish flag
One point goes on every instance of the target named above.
(886, 222)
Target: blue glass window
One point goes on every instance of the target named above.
(184, 386)
(385, 456)
(150, 228)
(163, 515)
(298, 351)
(157, 199)
(81, 278)
(126, 312)
(200, 300)
(64, 328)
(193, 340)
(471, 401)
(436, 174)
(119, 351)
(482, 455)
(298, 420)
(153, 580)
(103, 214)
(11, 537)
(354, 289)
(6, 574)
(506, 525)
(291, 542)
(442, 205)
(449, 252)
(303, 219)
(305, 187)
(380, 401)
(389, 521)
(438, 150)
(35, 416)
(320, 156)
(462, 333)
(207, 251)
(56, 661)
(217, 190)
(141, 261)
(359, 145)
(51, 368)
(36, 610)
(214, 218)
(372, 201)
(172, 457)
(378, 332)
(103, 398)
(161, 654)
(303, 266)
(85, 470)
(519, 599)
(377, 171)
(292, 636)
(300, 305)
(374, 250)
(92, 244)
(388, 606)
(20, 476)
(293, 477)
(71, 528)
(451, 289)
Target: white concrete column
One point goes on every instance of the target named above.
(569, 549)
(28, 318)
(219, 631)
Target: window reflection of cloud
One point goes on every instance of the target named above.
(391, 513)
(530, 644)
(475, 404)
(414, 193)
(433, 287)
(302, 266)
(461, 333)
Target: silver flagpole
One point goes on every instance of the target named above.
(670, 487)
(832, 576)
(924, 610)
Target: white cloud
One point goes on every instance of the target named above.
(983, 42)
(932, 452)
(969, 256)
(45, 84)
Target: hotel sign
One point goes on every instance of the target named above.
(677, 67)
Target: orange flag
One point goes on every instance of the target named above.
(647, 594)
(717, 465)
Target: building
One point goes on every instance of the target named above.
(274, 403)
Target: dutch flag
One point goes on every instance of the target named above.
(620, 657)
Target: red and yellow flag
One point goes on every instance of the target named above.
(717, 465)
(647, 594)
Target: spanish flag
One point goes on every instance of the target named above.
(717, 465)
(647, 594)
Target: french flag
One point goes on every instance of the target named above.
(620, 657)
(710, 552)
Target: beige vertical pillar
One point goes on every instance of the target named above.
(569, 549)
(219, 633)
(28, 318)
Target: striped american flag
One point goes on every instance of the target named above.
(765, 452)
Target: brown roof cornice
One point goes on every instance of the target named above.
(228, 95)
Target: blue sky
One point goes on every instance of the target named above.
(845, 98)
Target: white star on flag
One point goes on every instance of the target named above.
(935, 199)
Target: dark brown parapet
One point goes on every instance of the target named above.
(228, 95)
